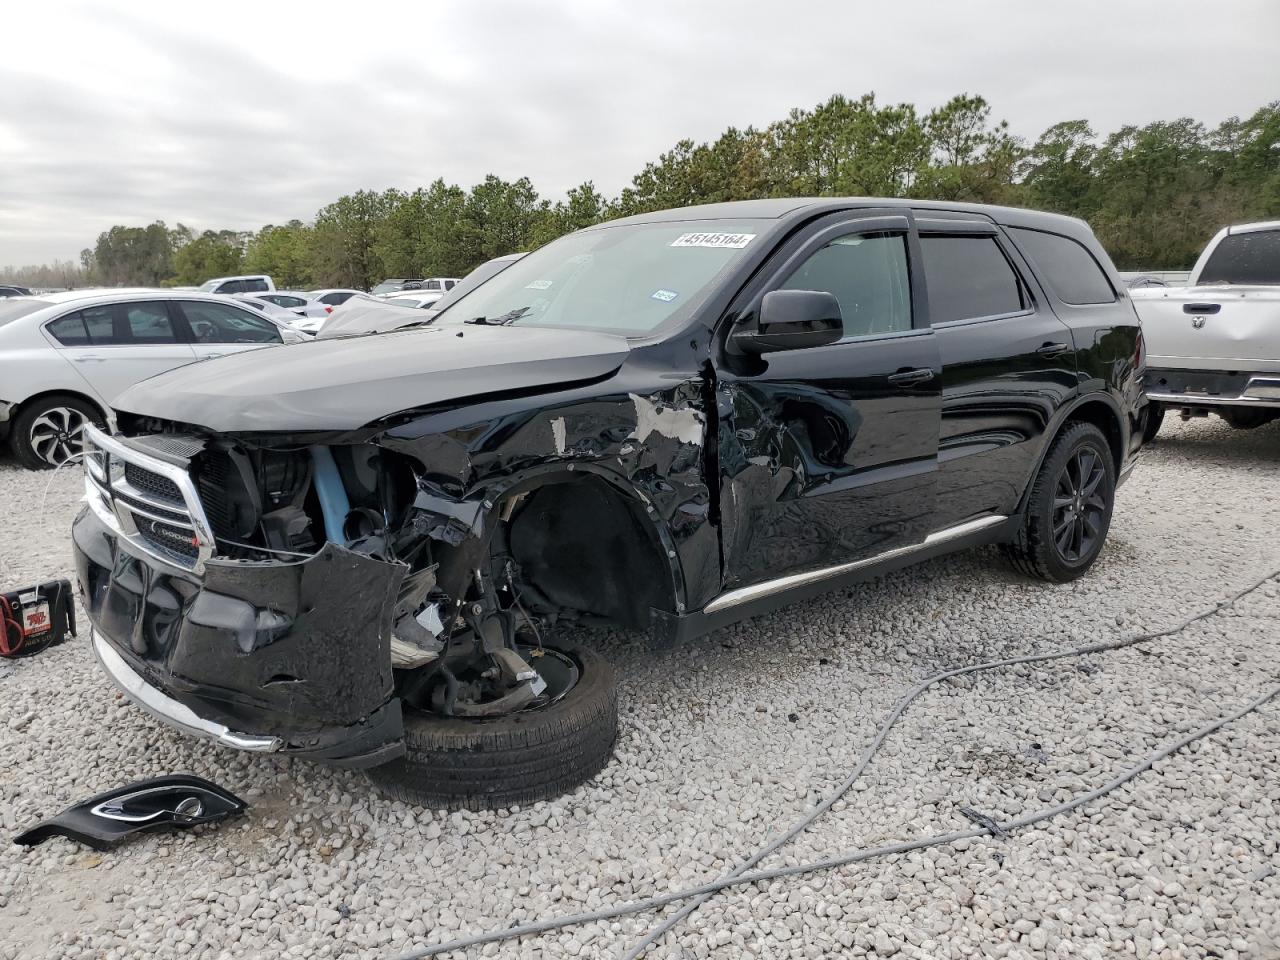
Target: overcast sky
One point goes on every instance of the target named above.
(239, 114)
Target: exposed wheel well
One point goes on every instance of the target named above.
(585, 547)
(1105, 419)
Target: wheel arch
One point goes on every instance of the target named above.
(1099, 409)
(22, 405)
(607, 528)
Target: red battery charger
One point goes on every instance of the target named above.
(34, 618)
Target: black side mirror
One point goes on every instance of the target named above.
(793, 320)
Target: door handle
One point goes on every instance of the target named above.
(909, 378)
(89, 358)
(1201, 309)
(1052, 349)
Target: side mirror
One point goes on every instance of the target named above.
(792, 320)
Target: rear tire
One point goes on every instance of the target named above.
(517, 759)
(49, 431)
(1070, 504)
(1151, 425)
(1247, 419)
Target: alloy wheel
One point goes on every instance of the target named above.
(1079, 509)
(57, 435)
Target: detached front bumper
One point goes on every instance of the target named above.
(263, 656)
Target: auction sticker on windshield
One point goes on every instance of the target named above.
(729, 241)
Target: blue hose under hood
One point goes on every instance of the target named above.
(333, 495)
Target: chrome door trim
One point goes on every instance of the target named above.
(758, 591)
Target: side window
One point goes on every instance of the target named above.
(335, 299)
(868, 274)
(256, 285)
(223, 323)
(99, 325)
(293, 303)
(450, 284)
(147, 322)
(1069, 269)
(69, 330)
(433, 284)
(969, 277)
(231, 286)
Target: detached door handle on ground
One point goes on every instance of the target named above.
(1052, 349)
(909, 378)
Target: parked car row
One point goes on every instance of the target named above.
(65, 357)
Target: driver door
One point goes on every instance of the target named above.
(829, 454)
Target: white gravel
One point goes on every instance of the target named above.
(726, 741)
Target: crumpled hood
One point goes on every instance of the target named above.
(343, 384)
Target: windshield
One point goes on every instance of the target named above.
(1245, 258)
(626, 279)
(208, 285)
(388, 286)
(11, 308)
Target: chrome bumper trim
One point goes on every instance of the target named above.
(758, 591)
(170, 711)
(1200, 400)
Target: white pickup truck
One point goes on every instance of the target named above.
(1213, 346)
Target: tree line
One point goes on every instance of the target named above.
(1154, 194)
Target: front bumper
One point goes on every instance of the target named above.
(1213, 388)
(291, 658)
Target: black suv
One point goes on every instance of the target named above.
(361, 549)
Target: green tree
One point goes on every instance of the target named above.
(344, 243)
(212, 254)
(283, 253)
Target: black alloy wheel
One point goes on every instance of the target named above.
(1068, 509)
(1079, 512)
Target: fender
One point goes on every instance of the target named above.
(1060, 417)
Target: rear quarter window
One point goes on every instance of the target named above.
(1066, 266)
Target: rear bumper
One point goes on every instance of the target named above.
(267, 657)
(1213, 388)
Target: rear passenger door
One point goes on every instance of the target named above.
(1008, 363)
(220, 328)
(113, 346)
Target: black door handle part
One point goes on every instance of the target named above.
(1201, 308)
(1052, 349)
(909, 378)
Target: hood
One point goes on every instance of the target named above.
(344, 384)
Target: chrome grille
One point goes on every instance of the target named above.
(150, 503)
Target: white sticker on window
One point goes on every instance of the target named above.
(729, 241)
(538, 285)
(666, 296)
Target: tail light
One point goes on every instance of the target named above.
(328, 309)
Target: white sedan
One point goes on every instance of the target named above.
(64, 357)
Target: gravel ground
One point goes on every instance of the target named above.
(726, 741)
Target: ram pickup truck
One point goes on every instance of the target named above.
(364, 550)
(1213, 346)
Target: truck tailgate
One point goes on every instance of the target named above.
(1211, 328)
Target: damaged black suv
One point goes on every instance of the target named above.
(361, 550)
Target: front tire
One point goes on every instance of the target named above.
(517, 759)
(48, 432)
(1069, 508)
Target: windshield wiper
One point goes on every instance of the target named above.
(511, 316)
